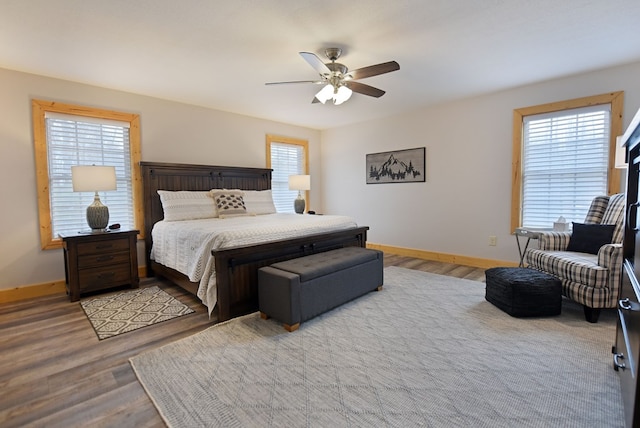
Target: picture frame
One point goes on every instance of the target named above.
(398, 166)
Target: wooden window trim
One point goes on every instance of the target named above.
(615, 99)
(270, 138)
(39, 109)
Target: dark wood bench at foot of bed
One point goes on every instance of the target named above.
(236, 268)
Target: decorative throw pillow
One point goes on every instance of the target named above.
(229, 202)
(588, 238)
(259, 202)
(186, 205)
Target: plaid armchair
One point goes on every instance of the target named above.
(593, 280)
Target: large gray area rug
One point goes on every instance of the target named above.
(427, 350)
(119, 313)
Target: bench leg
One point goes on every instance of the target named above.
(379, 288)
(287, 327)
(291, 328)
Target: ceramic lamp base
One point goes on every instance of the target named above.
(97, 215)
(298, 205)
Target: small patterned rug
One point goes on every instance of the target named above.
(119, 313)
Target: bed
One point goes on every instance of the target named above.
(235, 267)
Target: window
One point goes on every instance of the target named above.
(67, 135)
(286, 156)
(563, 156)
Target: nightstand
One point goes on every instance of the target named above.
(97, 261)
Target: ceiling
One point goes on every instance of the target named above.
(220, 54)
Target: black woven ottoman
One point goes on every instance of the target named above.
(524, 292)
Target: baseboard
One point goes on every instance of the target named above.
(30, 291)
(441, 257)
(45, 289)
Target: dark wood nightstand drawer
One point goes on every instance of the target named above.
(629, 322)
(624, 365)
(105, 259)
(109, 276)
(102, 247)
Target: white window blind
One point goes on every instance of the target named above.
(565, 163)
(286, 160)
(76, 140)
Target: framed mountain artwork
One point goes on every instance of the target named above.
(401, 166)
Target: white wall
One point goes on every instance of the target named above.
(467, 193)
(171, 132)
(465, 199)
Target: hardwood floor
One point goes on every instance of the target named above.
(55, 372)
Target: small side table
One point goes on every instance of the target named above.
(97, 261)
(529, 234)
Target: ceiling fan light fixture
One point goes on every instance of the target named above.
(325, 93)
(340, 82)
(341, 95)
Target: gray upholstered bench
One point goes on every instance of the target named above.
(297, 290)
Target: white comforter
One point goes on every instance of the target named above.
(186, 245)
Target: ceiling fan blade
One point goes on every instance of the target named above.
(316, 63)
(315, 100)
(374, 70)
(361, 88)
(315, 82)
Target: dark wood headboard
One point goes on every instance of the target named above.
(174, 176)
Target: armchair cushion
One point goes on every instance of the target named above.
(580, 268)
(588, 238)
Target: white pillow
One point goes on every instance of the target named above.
(259, 202)
(187, 205)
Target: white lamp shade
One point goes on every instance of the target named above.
(325, 93)
(299, 182)
(339, 95)
(91, 178)
(342, 94)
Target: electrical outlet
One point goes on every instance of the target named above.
(493, 241)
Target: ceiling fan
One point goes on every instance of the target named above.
(339, 83)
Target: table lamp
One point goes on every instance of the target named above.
(91, 178)
(299, 183)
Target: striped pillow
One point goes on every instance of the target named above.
(259, 202)
(186, 205)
